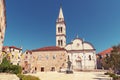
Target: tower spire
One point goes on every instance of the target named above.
(60, 12)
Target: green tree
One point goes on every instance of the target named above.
(7, 67)
(5, 62)
(113, 60)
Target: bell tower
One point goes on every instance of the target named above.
(60, 30)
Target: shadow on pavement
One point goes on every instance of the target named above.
(102, 79)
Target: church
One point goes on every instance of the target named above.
(82, 54)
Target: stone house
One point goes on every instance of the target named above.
(13, 53)
(44, 59)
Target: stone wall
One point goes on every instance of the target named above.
(2, 23)
(50, 60)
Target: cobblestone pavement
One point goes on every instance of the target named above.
(5, 76)
(74, 76)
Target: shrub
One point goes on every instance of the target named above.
(114, 76)
(6, 67)
(27, 77)
(15, 69)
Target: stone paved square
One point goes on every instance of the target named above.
(74, 76)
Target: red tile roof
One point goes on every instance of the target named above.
(29, 51)
(4, 48)
(7, 47)
(15, 47)
(107, 51)
(49, 48)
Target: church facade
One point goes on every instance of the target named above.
(82, 54)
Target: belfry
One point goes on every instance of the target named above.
(60, 30)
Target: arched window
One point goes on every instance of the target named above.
(61, 42)
(58, 29)
(89, 57)
(61, 30)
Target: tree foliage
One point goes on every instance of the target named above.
(113, 60)
(7, 67)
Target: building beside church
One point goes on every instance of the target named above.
(27, 61)
(2, 24)
(105, 52)
(44, 59)
(101, 55)
(14, 54)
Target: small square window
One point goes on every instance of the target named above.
(53, 56)
(47, 57)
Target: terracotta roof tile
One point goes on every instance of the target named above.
(49, 48)
(29, 51)
(4, 48)
(15, 47)
(107, 51)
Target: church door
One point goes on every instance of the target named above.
(79, 65)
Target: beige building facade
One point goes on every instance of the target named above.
(45, 59)
(13, 53)
(2, 24)
(28, 62)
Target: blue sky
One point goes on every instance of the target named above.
(32, 23)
